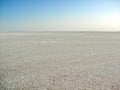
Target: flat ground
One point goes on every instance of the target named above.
(60, 61)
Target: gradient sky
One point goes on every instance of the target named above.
(59, 15)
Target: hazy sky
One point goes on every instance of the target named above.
(40, 15)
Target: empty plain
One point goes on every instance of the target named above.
(60, 61)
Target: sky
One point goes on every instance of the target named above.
(59, 15)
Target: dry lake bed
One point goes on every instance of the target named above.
(60, 61)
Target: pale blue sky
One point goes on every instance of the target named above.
(41, 15)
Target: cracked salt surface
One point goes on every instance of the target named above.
(44, 42)
(59, 61)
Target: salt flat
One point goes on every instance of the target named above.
(60, 61)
